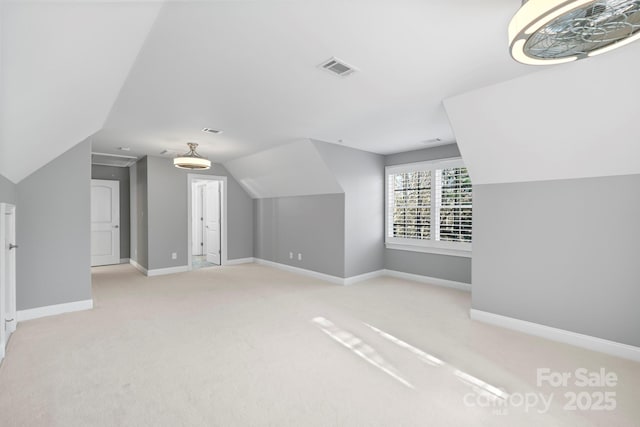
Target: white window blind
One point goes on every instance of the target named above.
(411, 200)
(429, 205)
(453, 205)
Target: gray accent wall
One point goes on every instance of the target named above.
(311, 225)
(139, 213)
(7, 191)
(53, 231)
(425, 264)
(361, 176)
(423, 155)
(167, 213)
(561, 253)
(439, 266)
(122, 176)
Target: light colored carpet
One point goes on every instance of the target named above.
(253, 346)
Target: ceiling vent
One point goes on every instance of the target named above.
(104, 159)
(337, 66)
(169, 153)
(213, 131)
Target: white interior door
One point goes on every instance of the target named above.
(105, 222)
(197, 219)
(212, 221)
(7, 274)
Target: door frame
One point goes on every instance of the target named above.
(8, 262)
(223, 215)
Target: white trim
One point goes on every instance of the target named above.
(237, 261)
(573, 338)
(223, 210)
(366, 276)
(52, 310)
(361, 277)
(124, 260)
(428, 249)
(138, 267)
(430, 280)
(159, 271)
(169, 270)
(326, 277)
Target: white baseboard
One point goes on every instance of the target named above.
(361, 277)
(169, 270)
(124, 260)
(573, 338)
(159, 271)
(51, 310)
(239, 261)
(327, 277)
(366, 276)
(138, 267)
(431, 280)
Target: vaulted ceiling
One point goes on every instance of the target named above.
(149, 75)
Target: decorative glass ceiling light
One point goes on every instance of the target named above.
(192, 160)
(545, 32)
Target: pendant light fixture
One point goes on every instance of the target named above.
(545, 32)
(192, 160)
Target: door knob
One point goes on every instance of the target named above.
(12, 246)
(116, 226)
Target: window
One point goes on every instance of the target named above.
(429, 207)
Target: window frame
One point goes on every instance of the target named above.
(422, 245)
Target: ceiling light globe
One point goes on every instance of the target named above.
(192, 160)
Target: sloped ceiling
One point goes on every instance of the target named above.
(149, 75)
(571, 121)
(63, 65)
(293, 169)
(250, 69)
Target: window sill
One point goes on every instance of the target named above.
(429, 249)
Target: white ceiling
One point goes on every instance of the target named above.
(151, 80)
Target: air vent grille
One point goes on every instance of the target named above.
(338, 67)
(210, 130)
(104, 159)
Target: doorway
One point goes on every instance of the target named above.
(207, 221)
(7, 274)
(105, 222)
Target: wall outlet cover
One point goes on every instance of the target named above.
(174, 255)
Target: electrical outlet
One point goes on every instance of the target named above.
(299, 257)
(290, 255)
(174, 255)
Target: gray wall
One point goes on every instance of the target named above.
(361, 176)
(122, 176)
(167, 214)
(7, 191)
(423, 155)
(139, 219)
(53, 230)
(311, 225)
(133, 211)
(432, 265)
(561, 253)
